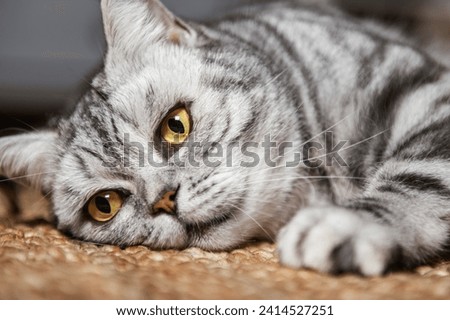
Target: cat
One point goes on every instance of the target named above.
(347, 126)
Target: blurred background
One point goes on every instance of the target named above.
(50, 48)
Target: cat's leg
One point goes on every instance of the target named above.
(402, 219)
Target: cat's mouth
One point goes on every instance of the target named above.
(197, 229)
(207, 223)
(209, 235)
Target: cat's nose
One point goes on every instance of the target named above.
(166, 203)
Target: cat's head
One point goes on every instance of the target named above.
(128, 166)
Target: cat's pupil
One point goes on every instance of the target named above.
(176, 125)
(103, 205)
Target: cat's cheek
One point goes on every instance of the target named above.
(166, 232)
(192, 209)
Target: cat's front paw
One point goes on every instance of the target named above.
(336, 240)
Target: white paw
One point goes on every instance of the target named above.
(336, 240)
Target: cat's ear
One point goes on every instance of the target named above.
(28, 157)
(132, 25)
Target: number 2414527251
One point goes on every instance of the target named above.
(298, 310)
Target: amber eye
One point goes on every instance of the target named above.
(105, 205)
(176, 127)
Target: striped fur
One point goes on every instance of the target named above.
(290, 69)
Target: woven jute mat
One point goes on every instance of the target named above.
(38, 262)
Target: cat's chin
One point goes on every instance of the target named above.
(168, 232)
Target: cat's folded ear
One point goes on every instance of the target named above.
(28, 157)
(131, 25)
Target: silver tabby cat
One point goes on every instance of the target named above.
(364, 113)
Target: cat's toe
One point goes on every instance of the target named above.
(336, 240)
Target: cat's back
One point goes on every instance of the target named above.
(315, 35)
(305, 23)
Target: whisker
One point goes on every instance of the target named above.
(349, 147)
(14, 129)
(324, 131)
(259, 200)
(256, 222)
(365, 140)
(26, 176)
(276, 77)
(25, 124)
(44, 197)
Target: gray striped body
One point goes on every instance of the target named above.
(302, 74)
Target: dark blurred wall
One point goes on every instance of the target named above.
(49, 47)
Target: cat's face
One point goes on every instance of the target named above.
(147, 157)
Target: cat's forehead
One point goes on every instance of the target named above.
(164, 70)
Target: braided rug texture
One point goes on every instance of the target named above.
(38, 262)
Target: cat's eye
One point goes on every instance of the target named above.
(176, 127)
(105, 205)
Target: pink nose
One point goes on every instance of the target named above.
(166, 203)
